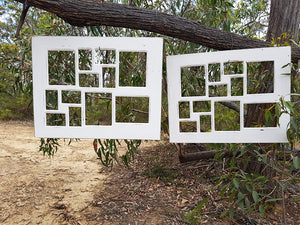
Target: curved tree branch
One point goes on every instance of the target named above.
(22, 18)
(97, 12)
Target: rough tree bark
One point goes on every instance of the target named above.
(96, 12)
(284, 18)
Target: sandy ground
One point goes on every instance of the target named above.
(34, 189)
(74, 188)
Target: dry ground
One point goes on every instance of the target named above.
(73, 188)
(35, 189)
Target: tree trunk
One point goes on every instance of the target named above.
(283, 27)
(284, 18)
(95, 13)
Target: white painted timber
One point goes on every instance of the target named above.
(117, 130)
(281, 56)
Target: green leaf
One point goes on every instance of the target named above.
(268, 116)
(278, 112)
(262, 210)
(296, 162)
(294, 122)
(231, 212)
(223, 214)
(290, 106)
(201, 204)
(295, 94)
(248, 204)
(241, 205)
(241, 196)
(236, 183)
(273, 199)
(255, 196)
(248, 187)
(286, 65)
(232, 196)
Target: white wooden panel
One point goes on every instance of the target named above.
(281, 56)
(153, 48)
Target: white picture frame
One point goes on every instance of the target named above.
(281, 56)
(117, 130)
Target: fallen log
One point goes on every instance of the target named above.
(194, 156)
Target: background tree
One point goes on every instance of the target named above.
(122, 15)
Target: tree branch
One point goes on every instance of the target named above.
(22, 18)
(96, 12)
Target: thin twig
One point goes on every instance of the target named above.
(185, 8)
(139, 111)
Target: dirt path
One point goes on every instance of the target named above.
(74, 188)
(35, 189)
